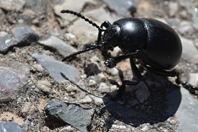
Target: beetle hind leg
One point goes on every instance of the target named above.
(192, 89)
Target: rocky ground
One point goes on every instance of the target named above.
(40, 93)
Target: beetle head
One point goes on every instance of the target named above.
(111, 37)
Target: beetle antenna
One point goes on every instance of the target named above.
(94, 46)
(81, 16)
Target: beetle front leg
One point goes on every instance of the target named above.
(112, 62)
(136, 79)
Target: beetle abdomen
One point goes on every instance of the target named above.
(163, 48)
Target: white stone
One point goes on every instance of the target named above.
(185, 28)
(44, 85)
(92, 82)
(104, 88)
(71, 38)
(38, 67)
(193, 79)
(114, 88)
(189, 50)
(173, 8)
(112, 71)
(97, 100)
(115, 52)
(101, 77)
(71, 88)
(86, 99)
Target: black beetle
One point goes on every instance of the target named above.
(155, 44)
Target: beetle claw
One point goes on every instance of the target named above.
(110, 62)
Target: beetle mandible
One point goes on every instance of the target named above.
(156, 46)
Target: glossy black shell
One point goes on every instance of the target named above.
(160, 45)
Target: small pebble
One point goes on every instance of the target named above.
(173, 8)
(145, 128)
(94, 59)
(44, 85)
(104, 88)
(112, 71)
(115, 52)
(5, 43)
(118, 126)
(86, 99)
(72, 39)
(193, 79)
(38, 67)
(92, 82)
(26, 108)
(84, 76)
(183, 14)
(3, 34)
(98, 101)
(35, 21)
(102, 77)
(185, 28)
(173, 122)
(67, 129)
(114, 88)
(29, 13)
(72, 93)
(21, 21)
(71, 88)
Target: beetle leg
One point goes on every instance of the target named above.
(136, 73)
(192, 89)
(136, 79)
(111, 62)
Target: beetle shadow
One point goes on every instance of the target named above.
(156, 109)
(162, 103)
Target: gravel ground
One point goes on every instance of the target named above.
(40, 93)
